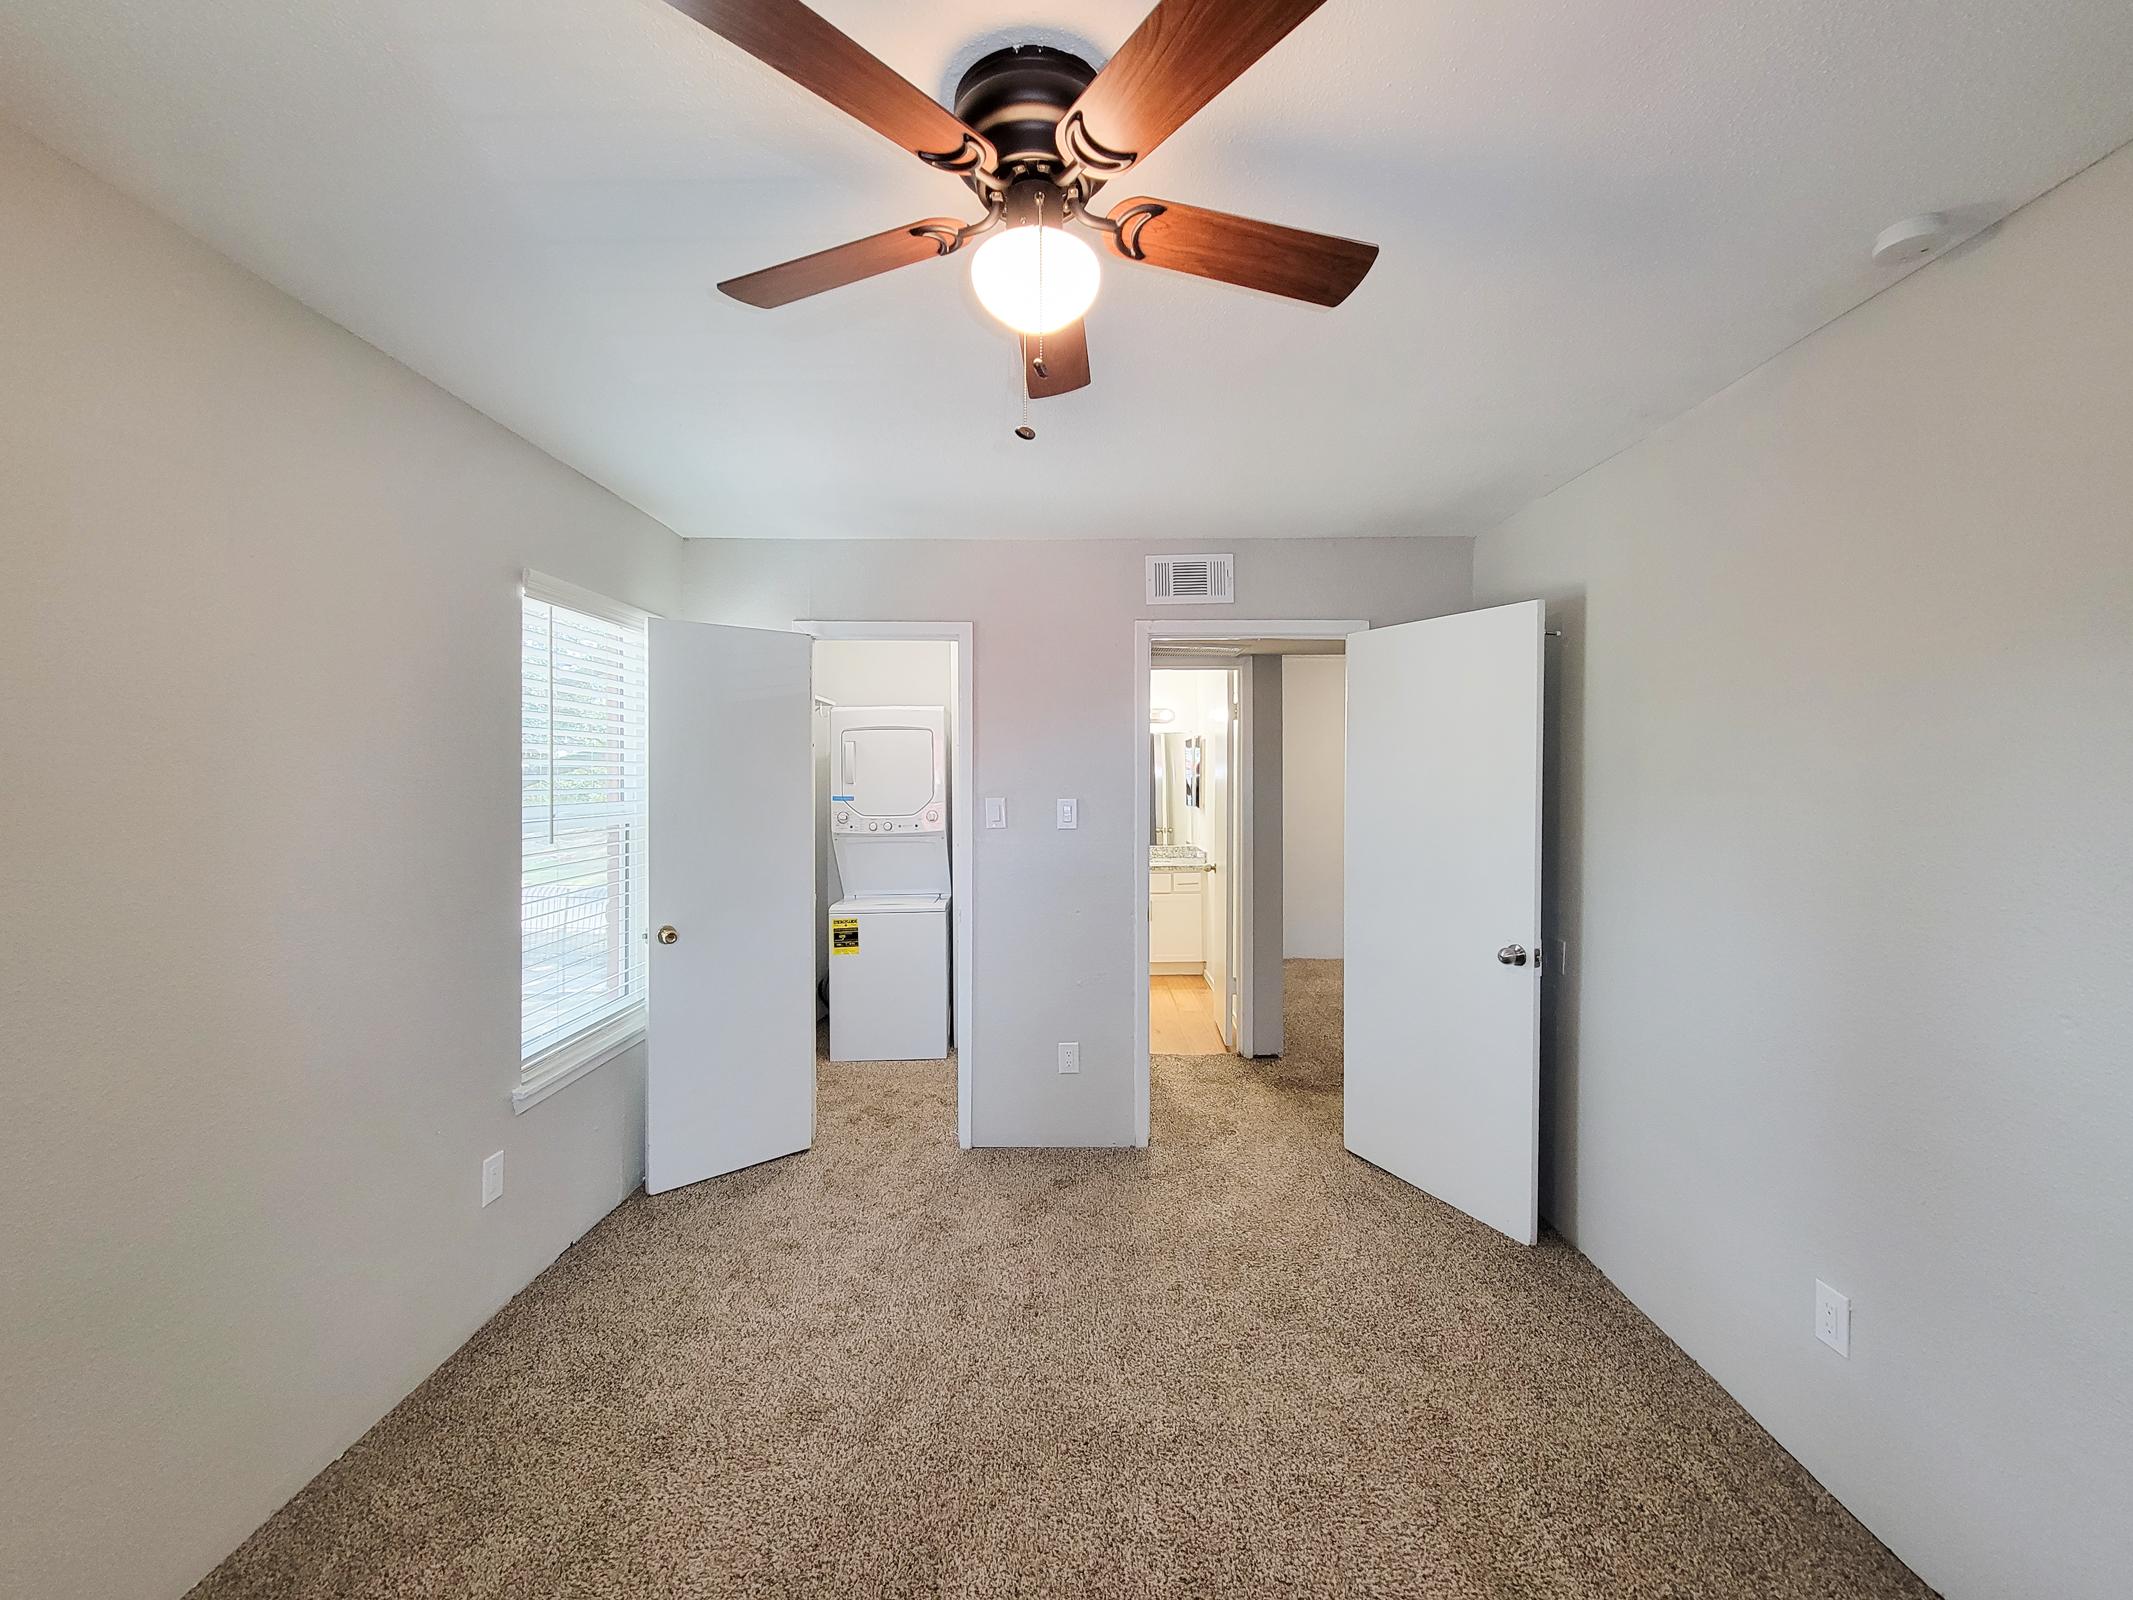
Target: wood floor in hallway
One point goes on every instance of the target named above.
(1181, 1016)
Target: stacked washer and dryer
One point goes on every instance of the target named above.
(888, 934)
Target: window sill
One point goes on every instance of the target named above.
(564, 1064)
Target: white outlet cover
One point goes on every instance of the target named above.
(492, 1179)
(1070, 813)
(1069, 1058)
(1833, 1319)
(995, 812)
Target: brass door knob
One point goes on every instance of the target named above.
(667, 935)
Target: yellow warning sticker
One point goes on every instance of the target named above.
(844, 936)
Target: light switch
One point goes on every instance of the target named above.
(1070, 813)
(995, 812)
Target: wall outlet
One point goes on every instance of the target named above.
(492, 1179)
(995, 812)
(1070, 813)
(1070, 1058)
(1833, 1319)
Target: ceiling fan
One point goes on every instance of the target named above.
(1035, 133)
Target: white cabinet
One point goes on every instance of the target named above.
(1176, 918)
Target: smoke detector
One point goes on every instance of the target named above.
(1912, 239)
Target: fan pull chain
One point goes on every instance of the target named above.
(1041, 369)
(1035, 365)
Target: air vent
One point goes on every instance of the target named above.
(1192, 580)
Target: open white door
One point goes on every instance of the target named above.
(730, 1046)
(1442, 926)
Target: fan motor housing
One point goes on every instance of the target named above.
(1015, 97)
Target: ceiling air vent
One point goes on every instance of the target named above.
(1192, 580)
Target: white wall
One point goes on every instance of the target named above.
(1844, 847)
(1314, 767)
(1054, 667)
(259, 857)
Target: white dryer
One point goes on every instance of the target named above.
(888, 933)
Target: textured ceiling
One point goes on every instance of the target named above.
(1593, 215)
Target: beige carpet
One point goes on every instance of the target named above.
(1238, 1363)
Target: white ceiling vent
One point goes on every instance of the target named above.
(1192, 580)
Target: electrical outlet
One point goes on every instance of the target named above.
(492, 1179)
(1070, 813)
(995, 813)
(1070, 1057)
(1833, 1319)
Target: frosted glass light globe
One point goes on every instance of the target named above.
(1004, 273)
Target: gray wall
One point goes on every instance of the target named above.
(1843, 828)
(1260, 862)
(1054, 713)
(1314, 772)
(259, 857)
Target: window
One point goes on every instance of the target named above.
(582, 882)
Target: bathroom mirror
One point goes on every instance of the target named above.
(1169, 799)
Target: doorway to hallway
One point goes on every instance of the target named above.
(1440, 914)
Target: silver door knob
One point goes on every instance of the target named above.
(667, 935)
(1512, 955)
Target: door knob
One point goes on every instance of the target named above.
(1511, 955)
(667, 935)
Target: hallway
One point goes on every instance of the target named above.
(1182, 1016)
(1237, 1363)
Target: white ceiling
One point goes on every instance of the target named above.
(1593, 215)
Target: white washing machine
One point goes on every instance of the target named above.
(888, 933)
(889, 978)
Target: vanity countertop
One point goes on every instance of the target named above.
(1177, 858)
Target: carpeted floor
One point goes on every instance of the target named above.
(1238, 1363)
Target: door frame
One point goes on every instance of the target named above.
(1145, 633)
(962, 844)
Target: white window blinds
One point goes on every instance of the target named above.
(582, 889)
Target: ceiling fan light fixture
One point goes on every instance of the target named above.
(1006, 274)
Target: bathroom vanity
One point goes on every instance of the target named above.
(1177, 901)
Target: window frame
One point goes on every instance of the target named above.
(564, 1061)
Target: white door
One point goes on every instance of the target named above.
(1218, 821)
(730, 1047)
(1443, 909)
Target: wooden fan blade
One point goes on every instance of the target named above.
(1066, 361)
(786, 36)
(847, 263)
(1254, 255)
(1184, 53)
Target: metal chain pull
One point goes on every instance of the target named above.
(1036, 365)
(1041, 369)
